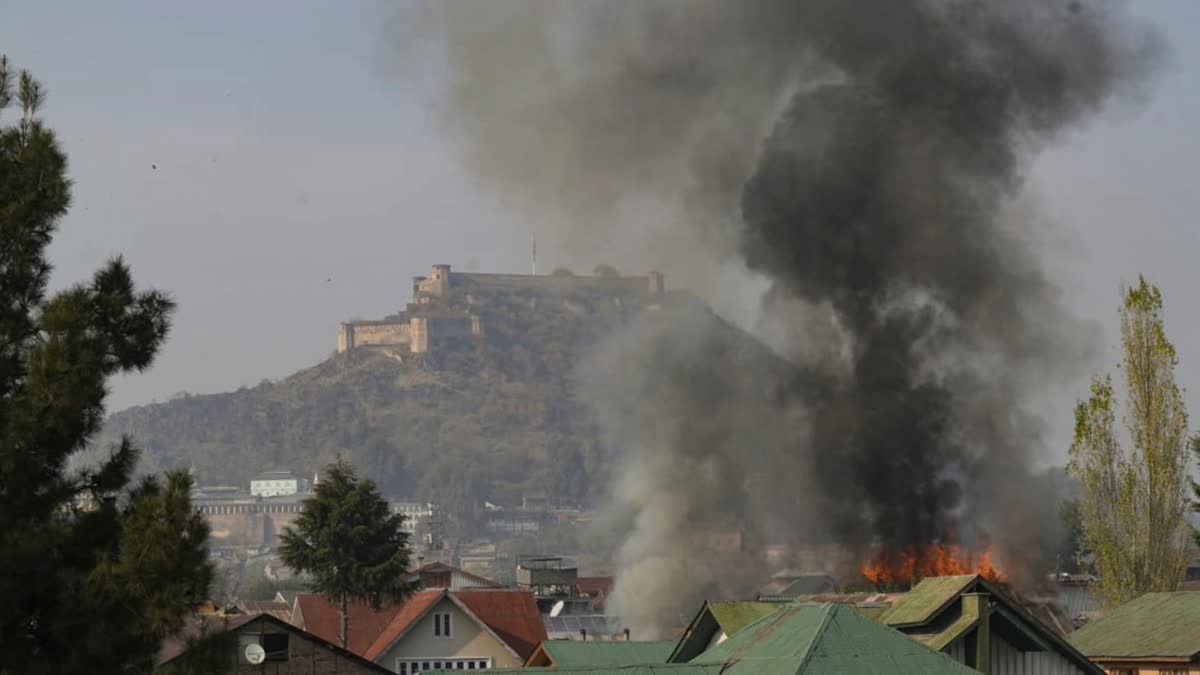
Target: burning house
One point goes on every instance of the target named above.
(861, 172)
(974, 621)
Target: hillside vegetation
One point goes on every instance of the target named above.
(479, 419)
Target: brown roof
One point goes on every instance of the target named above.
(279, 610)
(594, 586)
(442, 568)
(509, 614)
(200, 627)
(197, 626)
(410, 612)
(321, 619)
(512, 615)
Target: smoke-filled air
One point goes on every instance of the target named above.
(854, 169)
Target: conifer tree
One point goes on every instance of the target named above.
(349, 544)
(1134, 499)
(94, 572)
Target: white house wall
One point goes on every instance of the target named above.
(468, 640)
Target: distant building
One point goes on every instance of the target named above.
(277, 484)
(422, 520)
(423, 326)
(552, 580)
(441, 575)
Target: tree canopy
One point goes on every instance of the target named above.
(95, 570)
(348, 543)
(1134, 499)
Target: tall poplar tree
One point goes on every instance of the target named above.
(349, 544)
(94, 570)
(1134, 500)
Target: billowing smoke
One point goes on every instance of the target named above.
(855, 165)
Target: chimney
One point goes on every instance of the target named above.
(979, 656)
(583, 634)
(627, 635)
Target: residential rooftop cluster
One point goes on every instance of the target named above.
(458, 620)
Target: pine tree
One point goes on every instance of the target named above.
(349, 544)
(1134, 501)
(93, 573)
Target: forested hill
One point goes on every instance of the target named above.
(490, 417)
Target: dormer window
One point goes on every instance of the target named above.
(441, 625)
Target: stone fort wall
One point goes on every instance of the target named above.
(418, 334)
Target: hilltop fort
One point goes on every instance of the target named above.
(446, 305)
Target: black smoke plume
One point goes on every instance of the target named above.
(855, 165)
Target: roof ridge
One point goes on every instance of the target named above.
(486, 626)
(830, 611)
(371, 652)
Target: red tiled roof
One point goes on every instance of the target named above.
(410, 612)
(594, 586)
(512, 615)
(321, 619)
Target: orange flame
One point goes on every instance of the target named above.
(910, 565)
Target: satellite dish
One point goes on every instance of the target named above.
(557, 609)
(255, 654)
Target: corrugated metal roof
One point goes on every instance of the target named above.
(1156, 624)
(1077, 600)
(825, 639)
(568, 625)
(926, 599)
(651, 669)
(579, 654)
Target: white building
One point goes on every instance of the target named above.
(277, 484)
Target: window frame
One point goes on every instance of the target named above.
(443, 626)
(416, 665)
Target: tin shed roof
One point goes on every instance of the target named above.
(926, 599)
(606, 653)
(825, 639)
(1154, 625)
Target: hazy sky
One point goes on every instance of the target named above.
(301, 181)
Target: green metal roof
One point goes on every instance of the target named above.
(1156, 624)
(734, 616)
(580, 654)
(926, 599)
(649, 669)
(824, 640)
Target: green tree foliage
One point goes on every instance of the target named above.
(1134, 500)
(94, 573)
(348, 543)
(1070, 552)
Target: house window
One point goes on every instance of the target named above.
(276, 646)
(441, 625)
(414, 666)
